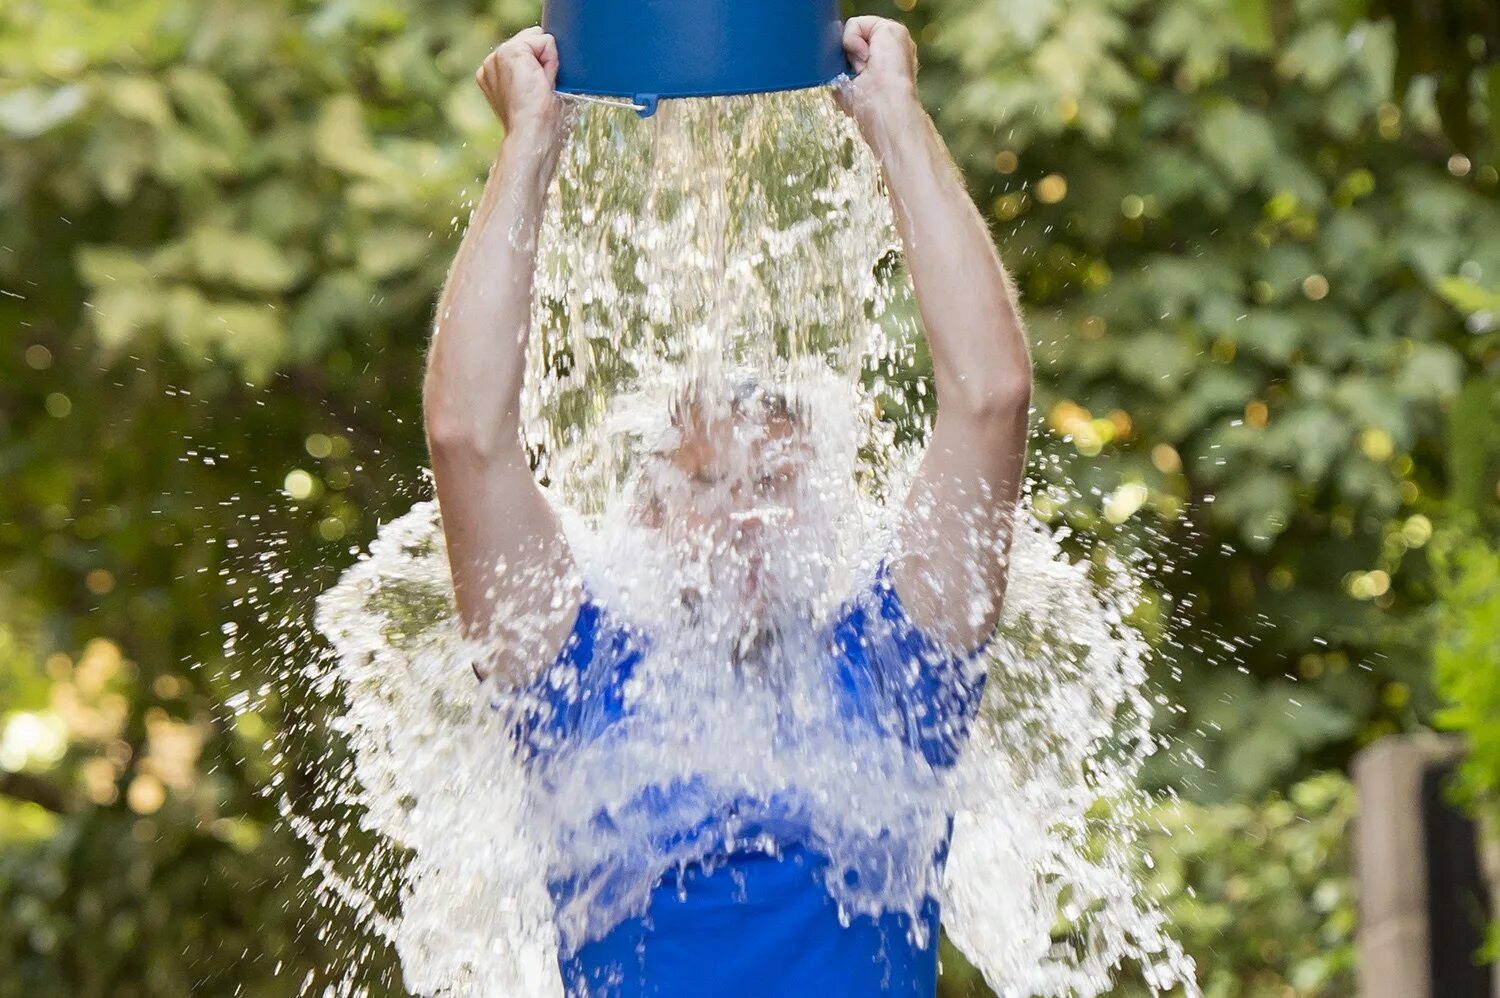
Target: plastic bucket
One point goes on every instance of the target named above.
(644, 50)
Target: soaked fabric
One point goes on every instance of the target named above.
(747, 909)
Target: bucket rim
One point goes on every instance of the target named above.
(649, 101)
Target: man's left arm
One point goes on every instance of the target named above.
(950, 571)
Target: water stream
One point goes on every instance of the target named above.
(731, 266)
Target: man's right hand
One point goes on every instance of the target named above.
(518, 79)
(884, 59)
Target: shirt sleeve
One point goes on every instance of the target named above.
(581, 688)
(916, 690)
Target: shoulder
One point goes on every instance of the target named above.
(582, 684)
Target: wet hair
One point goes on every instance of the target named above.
(747, 397)
(753, 397)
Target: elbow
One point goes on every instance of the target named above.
(445, 431)
(453, 431)
(999, 395)
(445, 423)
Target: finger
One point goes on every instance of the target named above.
(538, 44)
(857, 41)
(550, 60)
(861, 28)
(518, 42)
(859, 55)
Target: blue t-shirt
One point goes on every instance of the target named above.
(743, 921)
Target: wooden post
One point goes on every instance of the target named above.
(1421, 889)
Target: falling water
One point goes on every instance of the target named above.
(721, 251)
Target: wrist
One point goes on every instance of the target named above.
(530, 151)
(536, 126)
(893, 106)
(892, 121)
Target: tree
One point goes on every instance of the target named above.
(1261, 268)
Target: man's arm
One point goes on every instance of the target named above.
(513, 575)
(955, 536)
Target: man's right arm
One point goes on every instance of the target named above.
(514, 579)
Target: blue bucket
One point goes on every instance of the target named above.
(646, 50)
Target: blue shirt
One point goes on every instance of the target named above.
(741, 921)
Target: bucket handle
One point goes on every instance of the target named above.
(643, 104)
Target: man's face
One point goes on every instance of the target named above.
(728, 487)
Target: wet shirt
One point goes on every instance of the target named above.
(751, 914)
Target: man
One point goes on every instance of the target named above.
(753, 912)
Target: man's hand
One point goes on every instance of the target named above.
(884, 59)
(518, 79)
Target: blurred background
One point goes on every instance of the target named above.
(1259, 244)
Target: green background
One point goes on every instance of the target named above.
(1259, 247)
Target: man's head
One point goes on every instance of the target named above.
(726, 484)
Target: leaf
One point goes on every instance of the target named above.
(1240, 141)
(1285, 266)
(390, 250)
(1260, 504)
(1352, 246)
(1157, 361)
(33, 111)
(1434, 373)
(339, 300)
(251, 335)
(1467, 296)
(1256, 760)
(1474, 447)
(1310, 718)
(116, 157)
(1254, 22)
(120, 313)
(1308, 438)
(1374, 48)
(1315, 55)
(342, 142)
(183, 159)
(104, 265)
(1270, 334)
(241, 259)
(141, 98)
(1212, 393)
(208, 106)
(1285, 174)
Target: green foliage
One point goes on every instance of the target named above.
(1255, 273)
(1261, 271)
(1467, 667)
(164, 907)
(1262, 894)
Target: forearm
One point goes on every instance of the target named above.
(973, 326)
(477, 364)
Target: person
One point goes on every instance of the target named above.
(754, 915)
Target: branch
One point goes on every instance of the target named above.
(35, 790)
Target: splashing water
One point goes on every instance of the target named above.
(725, 276)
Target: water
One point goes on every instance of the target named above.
(723, 280)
